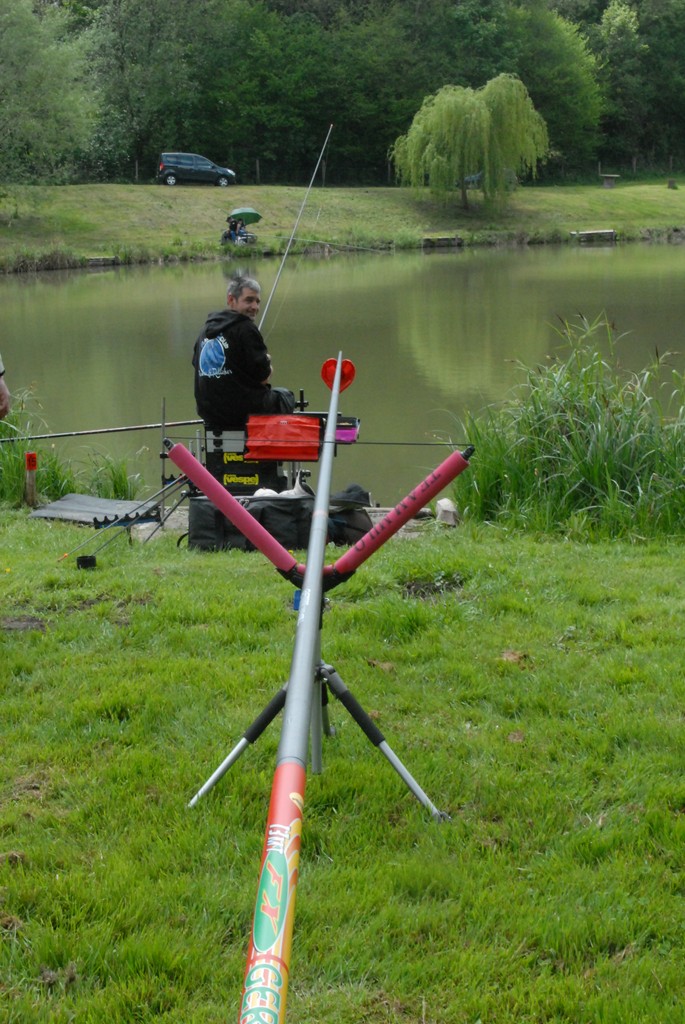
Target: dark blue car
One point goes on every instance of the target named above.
(174, 168)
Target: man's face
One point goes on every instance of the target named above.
(247, 303)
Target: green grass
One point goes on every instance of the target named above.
(63, 225)
(101, 475)
(533, 684)
(534, 688)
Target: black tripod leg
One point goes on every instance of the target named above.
(373, 733)
(329, 730)
(252, 733)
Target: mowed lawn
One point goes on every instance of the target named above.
(154, 221)
(533, 687)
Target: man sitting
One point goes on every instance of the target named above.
(232, 364)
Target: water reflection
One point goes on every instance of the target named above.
(433, 337)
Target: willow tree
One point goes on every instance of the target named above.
(460, 133)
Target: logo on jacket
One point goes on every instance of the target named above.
(213, 357)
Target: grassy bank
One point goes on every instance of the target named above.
(42, 226)
(532, 685)
(534, 688)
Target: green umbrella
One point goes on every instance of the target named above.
(246, 214)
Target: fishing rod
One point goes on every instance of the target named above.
(292, 235)
(268, 962)
(196, 422)
(301, 699)
(100, 430)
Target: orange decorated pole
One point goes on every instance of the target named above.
(267, 972)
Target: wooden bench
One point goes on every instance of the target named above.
(609, 180)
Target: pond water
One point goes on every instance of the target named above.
(433, 337)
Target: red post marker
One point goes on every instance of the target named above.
(30, 491)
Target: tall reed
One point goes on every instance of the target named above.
(582, 446)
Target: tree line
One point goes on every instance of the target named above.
(95, 90)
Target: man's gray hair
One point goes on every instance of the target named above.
(239, 282)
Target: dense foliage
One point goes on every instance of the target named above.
(94, 90)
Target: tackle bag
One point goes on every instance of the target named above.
(281, 400)
(348, 520)
(210, 530)
(287, 519)
(348, 525)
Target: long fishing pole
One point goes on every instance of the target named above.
(292, 235)
(268, 963)
(99, 430)
(190, 423)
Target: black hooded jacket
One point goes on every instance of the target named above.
(231, 361)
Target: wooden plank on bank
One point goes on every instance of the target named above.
(602, 235)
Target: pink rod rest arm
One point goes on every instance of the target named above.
(232, 509)
(447, 471)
